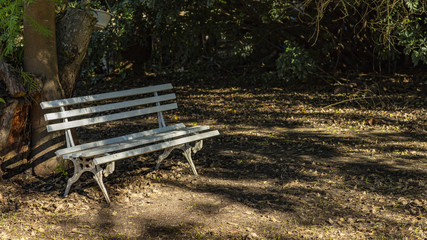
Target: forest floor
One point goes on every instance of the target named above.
(287, 165)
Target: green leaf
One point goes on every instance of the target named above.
(38, 27)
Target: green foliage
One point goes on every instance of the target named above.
(11, 26)
(11, 13)
(243, 38)
(107, 45)
(61, 169)
(11, 37)
(413, 36)
(30, 84)
(294, 64)
(182, 33)
(403, 25)
(2, 100)
(386, 27)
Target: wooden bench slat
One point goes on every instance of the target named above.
(84, 146)
(154, 147)
(107, 107)
(104, 96)
(110, 117)
(139, 142)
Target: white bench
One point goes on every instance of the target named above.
(91, 156)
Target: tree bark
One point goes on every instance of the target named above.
(15, 136)
(14, 122)
(13, 81)
(40, 58)
(73, 34)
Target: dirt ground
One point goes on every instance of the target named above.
(287, 165)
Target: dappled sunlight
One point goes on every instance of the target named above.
(283, 166)
(286, 120)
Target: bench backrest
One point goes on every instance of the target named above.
(77, 117)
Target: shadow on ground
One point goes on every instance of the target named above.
(283, 167)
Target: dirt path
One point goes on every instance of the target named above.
(284, 167)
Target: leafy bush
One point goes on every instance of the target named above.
(414, 39)
(295, 64)
(173, 33)
(11, 13)
(359, 28)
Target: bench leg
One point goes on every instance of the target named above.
(79, 168)
(162, 157)
(187, 150)
(97, 175)
(109, 169)
(197, 146)
(85, 165)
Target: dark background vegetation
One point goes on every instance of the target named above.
(262, 43)
(246, 42)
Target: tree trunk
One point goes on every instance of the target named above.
(14, 122)
(43, 56)
(73, 34)
(14, 136)
(40, 58)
